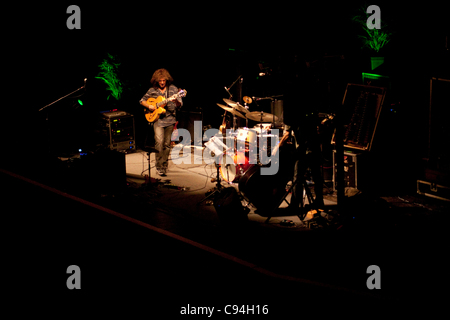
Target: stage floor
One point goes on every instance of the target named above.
(187, 184)
(402, 234)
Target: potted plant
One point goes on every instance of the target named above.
(374, 39)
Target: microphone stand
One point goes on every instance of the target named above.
(232, 86)
(45, 107)
(228, 90)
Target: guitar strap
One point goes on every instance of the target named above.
(167, 109)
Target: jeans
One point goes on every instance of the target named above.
(162, 144)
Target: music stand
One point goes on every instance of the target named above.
(217, 147)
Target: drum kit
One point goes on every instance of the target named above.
(240, 164)
(234, 164)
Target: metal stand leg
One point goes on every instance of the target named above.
(302, 210)
(217, 188)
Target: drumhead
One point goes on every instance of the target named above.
(227, 168)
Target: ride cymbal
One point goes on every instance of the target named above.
(261, 116)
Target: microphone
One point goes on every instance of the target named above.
(228, 92)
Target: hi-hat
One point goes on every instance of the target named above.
(261, 116)
(235, 105)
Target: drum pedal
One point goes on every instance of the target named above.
(312, 214)
(287, 223)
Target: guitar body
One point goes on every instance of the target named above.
(158, 102)
(154, 116)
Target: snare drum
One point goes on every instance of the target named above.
(233, 166)
(263, 128)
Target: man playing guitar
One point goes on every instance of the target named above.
(163, 127)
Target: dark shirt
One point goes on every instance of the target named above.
(168, 118)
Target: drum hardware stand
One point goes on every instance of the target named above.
(149, 151)
(307, 193)
(231, 96)
(228, 89)
(246, 107)
(216, 148)
(218, 186)
(247, 202)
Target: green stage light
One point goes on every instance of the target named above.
(379, 80)
(373, 76)
(80, 102)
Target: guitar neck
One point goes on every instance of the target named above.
(159, 104)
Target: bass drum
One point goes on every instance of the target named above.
(233, 166)
(266, 191)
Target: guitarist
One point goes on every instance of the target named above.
(162, 86)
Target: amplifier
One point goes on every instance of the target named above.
(186, 121)
(352, 170)
(439, 113)
(113, 114)
(117, 131)
(361, 110)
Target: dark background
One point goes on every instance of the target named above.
(44, 61)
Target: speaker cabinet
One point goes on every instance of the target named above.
(439, 115)
(186, 121)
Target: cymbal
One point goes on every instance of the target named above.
(237, 113)
(247, 99)
(261, 116)
(230, 102)
(235, 105)
(231, 110)
(225, 107)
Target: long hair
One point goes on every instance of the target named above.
(161, 74)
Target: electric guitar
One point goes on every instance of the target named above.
(160, 101)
